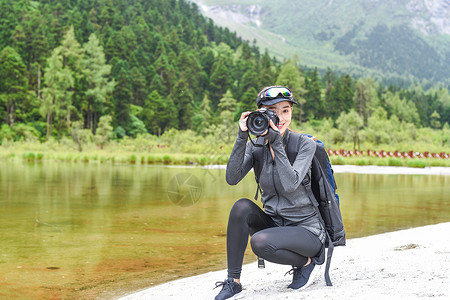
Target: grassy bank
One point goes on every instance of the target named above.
(119, 158)
(158, 158)
(390, 161)
(174, 148)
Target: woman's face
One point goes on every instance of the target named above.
(284, 113)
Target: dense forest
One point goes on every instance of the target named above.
(124, 68)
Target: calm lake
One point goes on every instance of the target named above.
(74, 230)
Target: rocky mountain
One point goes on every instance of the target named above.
(403, 38)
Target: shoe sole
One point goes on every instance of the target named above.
(238, 296)
(311, 277)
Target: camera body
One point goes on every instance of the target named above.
(258, 121)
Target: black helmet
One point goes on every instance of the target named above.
(274, 94)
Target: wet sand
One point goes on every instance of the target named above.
(406, 264)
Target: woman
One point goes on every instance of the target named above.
(289, 230)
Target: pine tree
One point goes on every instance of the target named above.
(13, 84)
(158, 113)
(379, 129)
(9, 12)
(350, 125)
(291, 76)
(122, 93)
(365, 98)
(30, 38)
(227, 125)
(184, 100)
(203, 117)
(266, 74)
(346, 92)
(314, 106)
(58, 81)
(435, 120)
(99, 86)
(104, 131)
(71, 53)
(219, 81)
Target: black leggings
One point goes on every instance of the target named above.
(287, 245)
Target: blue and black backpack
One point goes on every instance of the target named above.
(321, 188)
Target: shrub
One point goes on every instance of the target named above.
(337, 160)
(150, 159)
(381, 162)
(361, 162)
(395, 162)
(166, 159)
(30, 156)
(416, 164)
(203, 160)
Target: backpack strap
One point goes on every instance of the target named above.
(308, 185)
(329, 255)
(293, 145)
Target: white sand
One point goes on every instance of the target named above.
(391, 170)
(375, 170)
(406, 264)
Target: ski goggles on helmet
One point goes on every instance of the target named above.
(274, 92)
(273, 95)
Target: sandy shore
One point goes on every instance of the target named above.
(406, 264)
(391, 170)
(376, 170)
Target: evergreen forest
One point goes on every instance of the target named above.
(96, 71)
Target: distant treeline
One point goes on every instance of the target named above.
(146, 66)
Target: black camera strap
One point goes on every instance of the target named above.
(257, 165)
(255, 145)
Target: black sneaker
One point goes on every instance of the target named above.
(230, 290)
(303, 277)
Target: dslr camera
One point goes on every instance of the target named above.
(258, 121)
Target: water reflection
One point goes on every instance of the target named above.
(374, 203)
(88, 230)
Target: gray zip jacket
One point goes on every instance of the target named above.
(284, 197)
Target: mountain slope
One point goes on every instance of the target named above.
(388, 38)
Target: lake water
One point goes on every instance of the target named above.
(101, 230)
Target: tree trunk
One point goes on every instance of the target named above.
(39, 82)
(68, 119)
(94, 123)
(89, 115)
(59, 128)
(10, 112)
(49, 125)
(11, 115)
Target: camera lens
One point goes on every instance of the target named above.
(257, 123)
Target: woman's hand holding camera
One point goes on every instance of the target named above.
(243, 121)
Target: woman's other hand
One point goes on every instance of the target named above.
(273, 126)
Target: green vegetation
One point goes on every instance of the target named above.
(401, 40)
(156, 82)
(187, 148)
